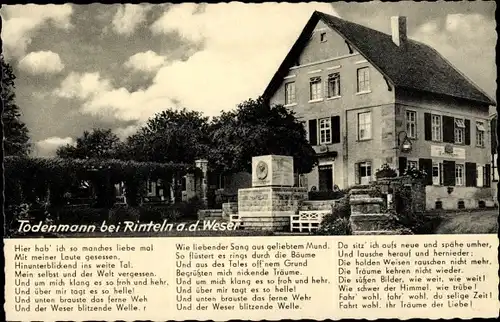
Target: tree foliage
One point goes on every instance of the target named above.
(253, 129)
(171, 136)
(16, 139)
(28, 178)
(99, 143)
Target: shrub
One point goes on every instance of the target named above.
(326, 195)
(385, 172)
(415, 173)
(189, 209)
(335, 226)
(337, 222)
(80, 215)
(406, 220)
(158, 213)
(121, 213)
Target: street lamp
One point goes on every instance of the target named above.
(404, 144)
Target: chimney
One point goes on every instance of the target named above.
(398, 29)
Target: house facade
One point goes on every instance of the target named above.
(367, 99)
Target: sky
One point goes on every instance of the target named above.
(80, 67)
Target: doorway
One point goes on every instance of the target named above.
(325, 177)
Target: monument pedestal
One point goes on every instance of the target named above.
(269, 208)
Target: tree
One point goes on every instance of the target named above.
(16, 139)
(179, 136)
(253, 129)
(99, 144)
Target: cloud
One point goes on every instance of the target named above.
(148, 61)
(243, 46)
(48, 147)
(22, 21)
(82, 86)
(124, 132)
(128, 17)
(41, 62)
(465, 35)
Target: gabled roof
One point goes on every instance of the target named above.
(413, 66)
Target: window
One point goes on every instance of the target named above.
(436, 173)
(459, 131)
(363, 79)
(315, 88)
(459, 174)
(411, 124)
(412, 165)
(151, 188)
(479, 176)
(436, 127)
(480, 130)
(323, 36)
(365, 172)
(333, 85)
(364, 126)
(325, 131)
(289, 93)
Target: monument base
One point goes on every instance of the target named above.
(269, 208)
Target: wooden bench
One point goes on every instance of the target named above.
(307, 220)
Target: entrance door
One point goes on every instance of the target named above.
(325, 178)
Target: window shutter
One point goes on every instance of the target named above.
(313, 132)
(487, 175)
(470, 174)
(402, 165)
(356, 173)
(427, 125)
(426, 165)
(448, 129)
(449, 173)
(440, 174)
(336, 129)
(467, 132)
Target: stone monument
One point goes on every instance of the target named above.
(273, 198)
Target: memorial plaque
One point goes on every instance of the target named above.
(272, 170)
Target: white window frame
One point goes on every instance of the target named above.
(367, 178)
(480, 133)
(437, 127)
(365, 125)
(315, 89)
(325, 130)
(411, 124)
(333, 85)
(363, 79)
(436, 180)
(479, 175)
(412, 162)
(459, 131)
(290, 96)
(459, 174)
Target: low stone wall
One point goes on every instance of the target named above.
(366, 217)
(470, 196)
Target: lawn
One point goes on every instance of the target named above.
(477, 222)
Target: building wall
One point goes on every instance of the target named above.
(332, 56)
(421, 148)
(426, 103)
(469, 195)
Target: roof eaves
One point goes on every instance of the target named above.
(488, 100)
